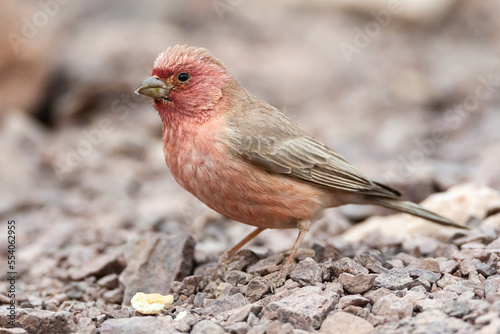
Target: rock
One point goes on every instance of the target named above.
(256, 288)
(347, 265)
(154, 261)
(150, 325)
(207, 327)
(429, 304)
(393, 307)
(304, 309)
(236, 277)
(228, 303)
(13, 331)
(113, 296)
(99, 267)
(277, 327)
(237, 328)
(352, 300)
(307, 272)
(267, 265)
(342, 322)
(40, 321)
(240, 314)
(188, 286)
(109, 281)
(394, 280)
(447, 266)
(243, 259)
(359, 283)
(460, 203)
(375, 295)
(430, 264)
(414, 297)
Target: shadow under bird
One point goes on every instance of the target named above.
(248, 161)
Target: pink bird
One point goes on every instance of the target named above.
(245, 159)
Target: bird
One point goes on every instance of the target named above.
(246, 159)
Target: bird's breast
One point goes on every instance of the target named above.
(200, 163)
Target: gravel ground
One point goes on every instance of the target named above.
(406, 92)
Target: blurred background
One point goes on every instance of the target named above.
(407, 91)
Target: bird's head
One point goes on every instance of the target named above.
(186, 81)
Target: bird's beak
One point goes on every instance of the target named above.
(154, 87)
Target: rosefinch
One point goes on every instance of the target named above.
(245, 159)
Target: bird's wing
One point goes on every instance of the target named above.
(278, 145)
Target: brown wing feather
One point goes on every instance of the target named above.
(278, 145)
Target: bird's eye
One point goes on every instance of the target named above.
(183, 77)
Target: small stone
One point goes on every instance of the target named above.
(348, 265)
(375, 295)
(267, 265)
(188, 286)
(207, 327)
(237, 328)
(307, 272)
(447, 279)
(393, 307)
(13, 331)
(41, 321)
(342, 322)
(228, 303)
(354, 300)
(429, 304)
(257, 287)
(414, 297)
(394, 280)
(468, 266)
(244, 259)
(109, 281)
(137, 325)
(447, 266)
(277, 327)
(304, 309)
(430, 264)
(357, 284)
(426, 274)
(236, 277)
(102, 265)
(114, 296)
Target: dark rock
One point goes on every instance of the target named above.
(359, 283)
(236, 277)
(304, 309)
(325, 253)
(307, 272)
(342, 322)
(154, 261)
(430, 276)
(348, 265)
(39, 321)
(113, 296)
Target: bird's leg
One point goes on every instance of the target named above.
(304, 227)
(226, 256)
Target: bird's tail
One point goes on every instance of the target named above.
(416, 210)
